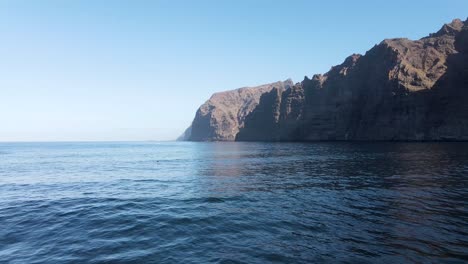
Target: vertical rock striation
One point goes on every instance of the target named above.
(221, 117)
(399, 90)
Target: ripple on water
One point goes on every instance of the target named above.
(227, 203)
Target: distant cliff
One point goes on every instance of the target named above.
(222, 116)
(399, 90)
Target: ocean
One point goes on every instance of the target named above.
(184, 202)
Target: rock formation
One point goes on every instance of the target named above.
(221, 117)
(399, 90)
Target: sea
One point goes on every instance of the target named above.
(227, 202)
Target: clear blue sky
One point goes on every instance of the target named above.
(138, 70)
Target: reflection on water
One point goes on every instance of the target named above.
(248, 202)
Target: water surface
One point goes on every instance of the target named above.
(156, 202)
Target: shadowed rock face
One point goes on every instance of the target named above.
(278, 111)
(399, 90)
(221, 117)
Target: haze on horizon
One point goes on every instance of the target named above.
(121, 70)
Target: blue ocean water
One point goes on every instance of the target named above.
(181, 202)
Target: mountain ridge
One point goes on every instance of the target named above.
(400, 89)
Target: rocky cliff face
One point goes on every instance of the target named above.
(221, 117)
(399, 90)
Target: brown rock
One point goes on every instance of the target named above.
(221, 117)
(399, 90)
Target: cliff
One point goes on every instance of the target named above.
(399, 90)
(222, 116)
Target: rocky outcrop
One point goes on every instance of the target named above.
(278, 111)
(221, 117)
(400, 90)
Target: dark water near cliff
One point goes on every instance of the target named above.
(233, 202)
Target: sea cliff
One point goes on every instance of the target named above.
(400, 90)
